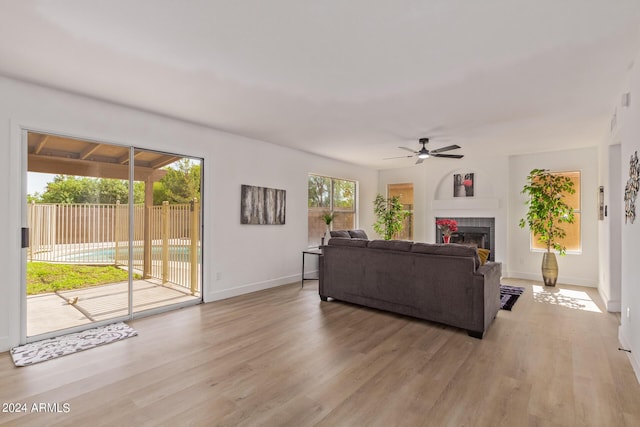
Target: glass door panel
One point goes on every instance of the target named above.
(167, 241)
(77, 259)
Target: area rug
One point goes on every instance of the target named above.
(51, 348)
(509, 295)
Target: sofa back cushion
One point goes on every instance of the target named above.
(450, 249)
(393, 245)
(342, 241)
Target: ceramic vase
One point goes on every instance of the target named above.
(549, 269)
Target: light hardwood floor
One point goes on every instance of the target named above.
(283, 357)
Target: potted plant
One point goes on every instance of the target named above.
(327, 217)
(547, 210)
(391, 215)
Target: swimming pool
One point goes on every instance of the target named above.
(176, 253)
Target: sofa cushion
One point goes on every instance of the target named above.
(340, 233)
(393, 245)
(343, 241)
(450, 249)
(358, 234)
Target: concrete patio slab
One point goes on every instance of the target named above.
(52, 312)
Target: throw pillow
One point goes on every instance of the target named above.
(340, 233)
(358, 234)
(484, 255)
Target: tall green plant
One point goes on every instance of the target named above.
(390, 214)
(547, 208)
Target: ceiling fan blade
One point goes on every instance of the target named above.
(399, 157)
(448, 156)
(419, 161)
(447, 148)
(408, 149)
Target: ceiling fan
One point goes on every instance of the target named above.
(423, 153)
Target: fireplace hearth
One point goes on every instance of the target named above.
(476, 230)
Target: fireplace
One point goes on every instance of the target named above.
(479, 231)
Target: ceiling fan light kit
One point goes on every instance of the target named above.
(423, 153)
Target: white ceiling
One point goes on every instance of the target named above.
(350, 80)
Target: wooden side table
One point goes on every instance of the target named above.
(316, 252)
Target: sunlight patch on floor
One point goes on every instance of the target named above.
(577, 300)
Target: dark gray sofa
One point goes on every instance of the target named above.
(442, 283)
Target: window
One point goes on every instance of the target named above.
(405, 192)
(572, 240)
(333, 196)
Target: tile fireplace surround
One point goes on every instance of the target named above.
(474, 230)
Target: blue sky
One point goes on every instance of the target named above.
(37, 182)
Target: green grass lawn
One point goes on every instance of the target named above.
(44, 277)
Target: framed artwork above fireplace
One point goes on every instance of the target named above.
(463, 184)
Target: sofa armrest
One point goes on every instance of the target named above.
(491, 269)
(489, 276)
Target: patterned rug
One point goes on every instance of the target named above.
(48, 349)
(509, 295)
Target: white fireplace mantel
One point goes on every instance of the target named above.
(466, 203)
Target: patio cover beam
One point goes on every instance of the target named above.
(66, 166)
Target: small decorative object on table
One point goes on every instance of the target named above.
(327, 217)
(448, 227)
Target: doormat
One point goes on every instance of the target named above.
(509, 295)
(51, 348)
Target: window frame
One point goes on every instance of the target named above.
(331, 208)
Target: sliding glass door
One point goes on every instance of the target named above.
(114, 231)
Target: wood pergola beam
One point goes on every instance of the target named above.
(164, 161)
(124, 159)
(40, 145)
(78, 167)
(88, 151)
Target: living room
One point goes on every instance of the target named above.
(608, 258)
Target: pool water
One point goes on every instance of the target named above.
(176, 252)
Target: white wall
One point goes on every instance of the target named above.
(577, 269)
(610, 249)
(247, 258)
(629, 124)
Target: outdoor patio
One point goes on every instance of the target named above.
(55, 311)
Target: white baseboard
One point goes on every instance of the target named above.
(251, 287)
(613, 306)
(562, 279)
(4, 344)
(632, 357)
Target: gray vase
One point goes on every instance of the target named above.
(549, 269)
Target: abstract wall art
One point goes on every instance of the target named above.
(261, 205)
(631, 189)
